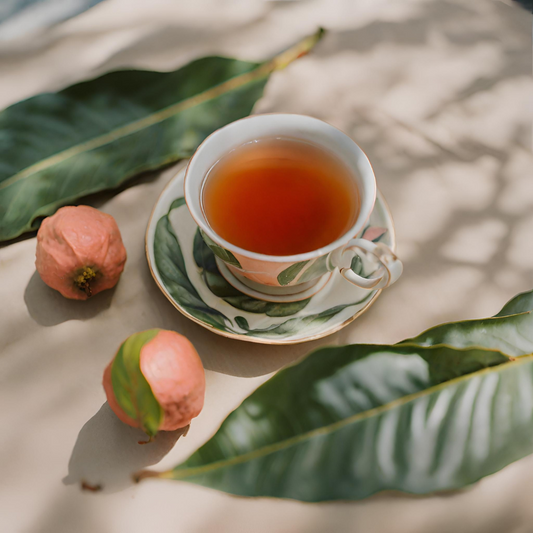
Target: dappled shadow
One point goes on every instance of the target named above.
(438, 101)
(455, 20)
(433, 91)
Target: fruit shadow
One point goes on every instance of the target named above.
(107, 452)
(48, 307)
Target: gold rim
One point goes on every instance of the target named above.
(243, 337)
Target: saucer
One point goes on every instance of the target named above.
(188, 274)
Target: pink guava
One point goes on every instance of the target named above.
(174, 371)
(80, 252)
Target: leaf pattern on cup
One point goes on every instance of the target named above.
(322, 265)
(373, 233)
(205, 260)
(224, 254)
(289, 274)
(317, 268)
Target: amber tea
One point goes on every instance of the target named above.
(280, 196)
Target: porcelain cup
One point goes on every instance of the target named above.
(290, 276)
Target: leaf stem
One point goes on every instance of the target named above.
(144, 474)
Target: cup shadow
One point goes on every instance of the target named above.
(107, 452)
(48, 307)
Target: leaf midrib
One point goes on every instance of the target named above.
(140, 124)
(287, 443)
(278, 62)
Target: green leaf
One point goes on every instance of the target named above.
(58, 147)
(510, 331)
(519, 304)
(220, 252)
(290, 273)
(350, 421)
(513, 334)
(171, 267)
(132, 391)
(205, 259)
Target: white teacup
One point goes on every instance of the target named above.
(294, 275)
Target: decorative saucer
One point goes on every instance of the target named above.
(187, 273)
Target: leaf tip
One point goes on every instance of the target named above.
(300, 49)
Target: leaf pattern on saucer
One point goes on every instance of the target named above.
(169, 262)
(171, 266)
(224, 254)
(297, 325)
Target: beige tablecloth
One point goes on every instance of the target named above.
(437, 92)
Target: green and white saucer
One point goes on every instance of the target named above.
(186, 271)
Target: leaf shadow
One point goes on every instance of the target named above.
(107, 452)
(48, 307)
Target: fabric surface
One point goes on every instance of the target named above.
(437, 93)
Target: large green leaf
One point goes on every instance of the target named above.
(58, 147)
(508, 332)
(132, 391)
(350, 421)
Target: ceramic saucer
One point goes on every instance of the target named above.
(187, 273)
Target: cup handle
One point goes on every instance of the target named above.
(389, 271)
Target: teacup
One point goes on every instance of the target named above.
(291, 277)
